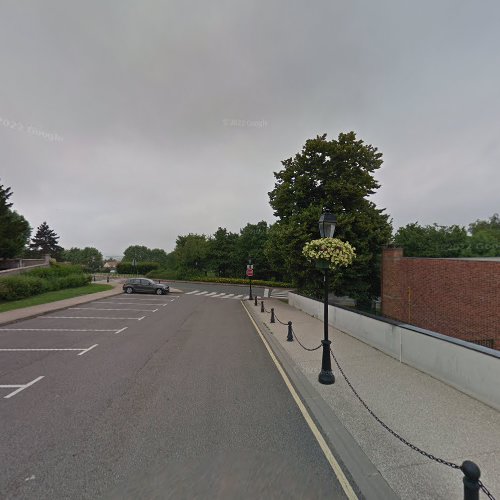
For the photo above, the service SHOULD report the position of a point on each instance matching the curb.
(365, 477)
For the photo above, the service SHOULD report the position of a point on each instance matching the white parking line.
(121, 330)
(19, 387)
(86, 317)
(191, 293)
(52, 330)
(83, 350)
(133, 303)
(101, 309)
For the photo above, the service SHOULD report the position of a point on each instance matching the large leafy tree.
(221, 250)
(191, 252)
(337, 174)
(250, 246)
(14, 228)
(45, 242)
(89, 257)
(485, 237)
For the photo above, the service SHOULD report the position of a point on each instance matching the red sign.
(249, 272)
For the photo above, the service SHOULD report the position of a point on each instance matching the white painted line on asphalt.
(39, 349)
(121, 330)
(237, 296)
(154, 310)
(219, 295)
(211, 293)
(19, 387)
(266, 293)
(86, 317)
(346, 486)
(228, 296)
(202, 293)
(87, 350)
(52, 330)
(190, 293)
(134, 303)
(100, 309)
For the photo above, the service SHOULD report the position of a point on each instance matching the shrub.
(140, 268)
(56, 277)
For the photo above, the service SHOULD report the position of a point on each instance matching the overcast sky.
(131, 122)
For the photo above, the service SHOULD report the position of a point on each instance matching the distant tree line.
(482, 239)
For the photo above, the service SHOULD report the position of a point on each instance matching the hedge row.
(231, 281)
(40, 281)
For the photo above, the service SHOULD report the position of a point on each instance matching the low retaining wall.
(472, 369)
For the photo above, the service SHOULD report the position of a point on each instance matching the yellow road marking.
(346, 486)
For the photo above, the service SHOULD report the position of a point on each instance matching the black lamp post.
(327, 223)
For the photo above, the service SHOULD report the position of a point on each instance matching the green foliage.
(89, 257)
(250, 247)
(338, 175)
(42, 280)
(45, 242)
(139, 268)
(222, 252)
(192, 253)
(14, 228)
(142, 253)
(450, 241)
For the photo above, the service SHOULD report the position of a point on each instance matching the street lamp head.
(327, 223)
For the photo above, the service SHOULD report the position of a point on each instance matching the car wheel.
(159, 291)
(129, 289)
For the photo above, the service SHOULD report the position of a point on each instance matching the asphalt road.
(169, 396)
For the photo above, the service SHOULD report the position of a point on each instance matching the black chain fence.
(381, 422)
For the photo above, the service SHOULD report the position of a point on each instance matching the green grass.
(45, 298)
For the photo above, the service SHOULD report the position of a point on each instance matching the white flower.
(336, 252)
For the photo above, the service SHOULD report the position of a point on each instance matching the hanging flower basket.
(329, 253)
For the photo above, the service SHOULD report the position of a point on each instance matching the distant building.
(110, 264)
(455, 297)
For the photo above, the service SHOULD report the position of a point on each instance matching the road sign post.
(250, 274)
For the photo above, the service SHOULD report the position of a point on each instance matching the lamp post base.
(326, 377)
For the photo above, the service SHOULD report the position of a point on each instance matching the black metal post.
(290, 333)
(262, 306)
(250, 296)
(255, 303)
(272, 315)
(107, 279)
(471, 480)
(326, 375)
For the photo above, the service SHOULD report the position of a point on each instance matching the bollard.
(290, 333)
(107, 279)
(256, 300)
(471, 480)
(272, 315)
(262, 306)
(94, 277)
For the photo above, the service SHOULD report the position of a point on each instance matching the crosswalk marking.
(194, 291)
(217, 295)
(266, 293)
(202, 293)
(211, 293)
(228, 296)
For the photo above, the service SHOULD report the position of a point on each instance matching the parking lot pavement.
(30, 345)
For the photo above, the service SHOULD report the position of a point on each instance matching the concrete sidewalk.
(428, 413)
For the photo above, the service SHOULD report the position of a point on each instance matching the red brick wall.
(459, 298)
